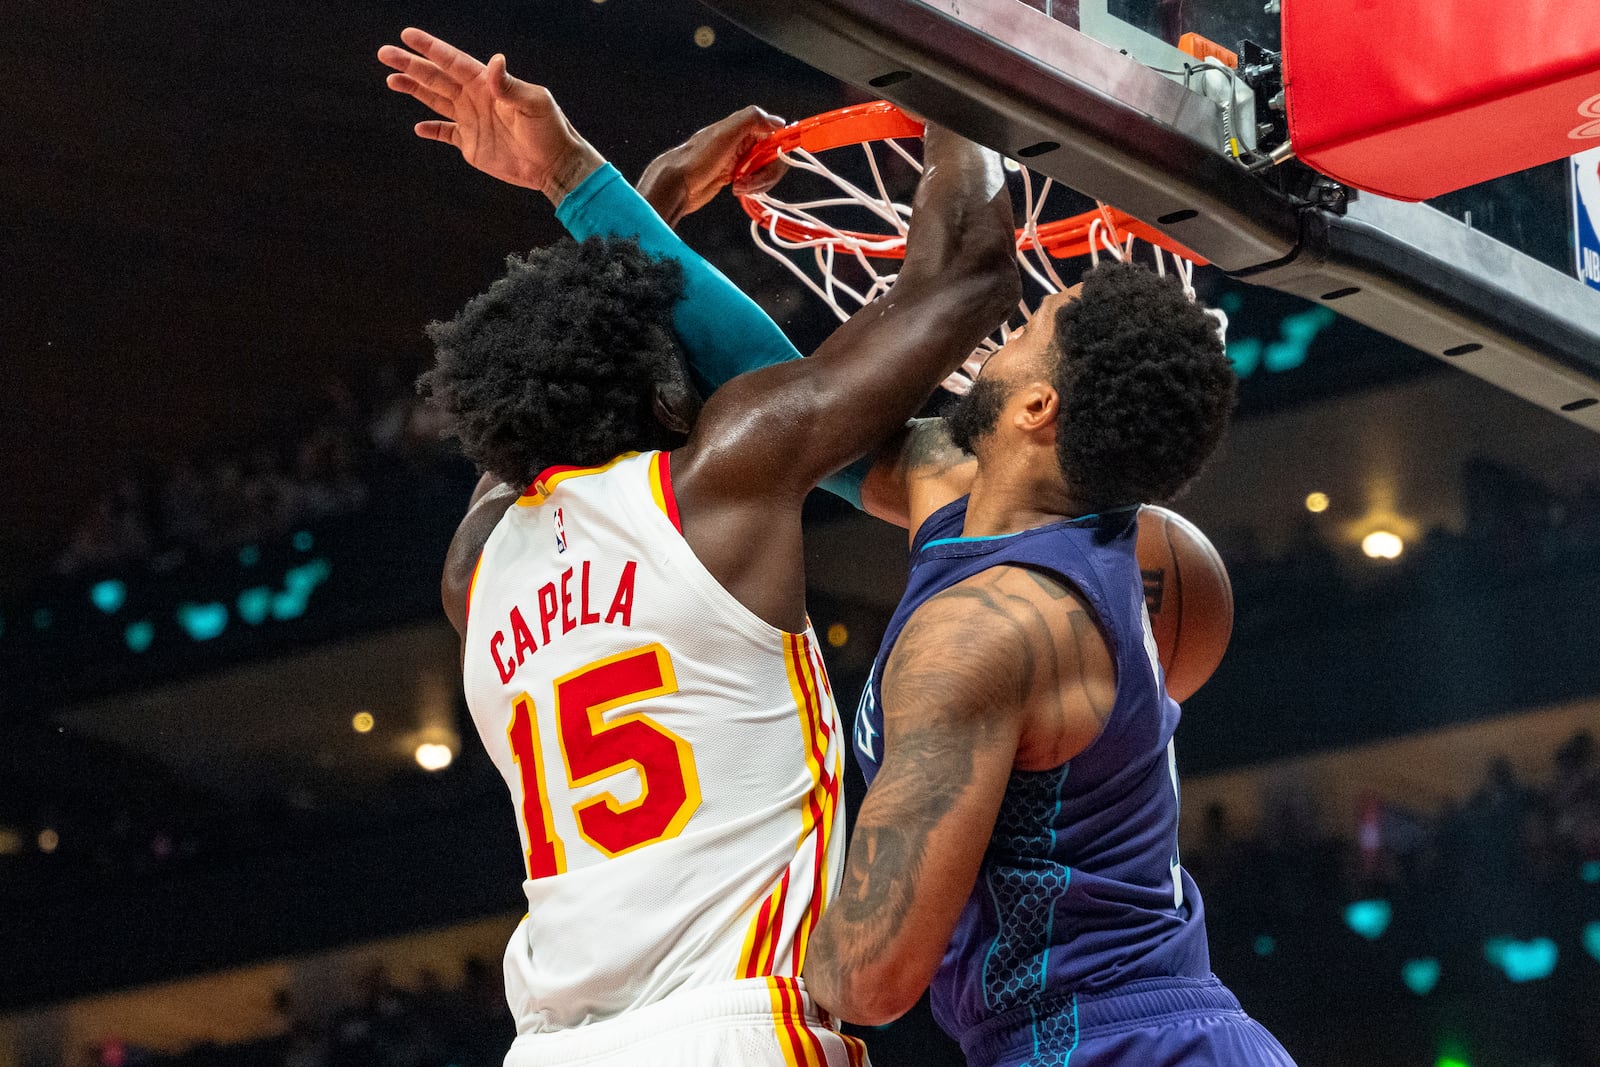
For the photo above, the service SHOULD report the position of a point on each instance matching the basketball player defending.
(1019, 844)
(635, 648)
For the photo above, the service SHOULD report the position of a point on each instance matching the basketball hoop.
(780, 227)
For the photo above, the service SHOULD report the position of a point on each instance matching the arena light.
(108, 595)
(838, 635)
(10, 841)
(432, 756)
(202, 622)
(1317, 503)
(1591, 940)
(1522, 961)
(49, 840)
(362, 723)
(1420, 976)
(138, 635)
(1265, 945)
(705, 36)
(1369, 918)
(1381, 544)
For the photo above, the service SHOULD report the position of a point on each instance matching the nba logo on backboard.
(561, 531)
(1586, 215)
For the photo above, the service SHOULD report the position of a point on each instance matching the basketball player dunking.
(635, 648)
(1019, 843)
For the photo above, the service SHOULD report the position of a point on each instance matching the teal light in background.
(303, 541)
(1245, 355)
(1369, 918)
(254, 603)
(1590, 872)
(1420, 976)
(109, 595)
(139, 634)
(1266, 945)
(1522, 961)
(1295, 333)
(42, 618)
(298, 584)
(249, 556)
(1591, 940)
(202, 622)
(1452, 1061)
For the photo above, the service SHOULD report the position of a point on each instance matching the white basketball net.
(835, 245)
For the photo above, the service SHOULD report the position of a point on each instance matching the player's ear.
(676, 405)
(1040, 407)
(676, 402)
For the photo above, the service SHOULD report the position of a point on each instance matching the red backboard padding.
(1414, 98)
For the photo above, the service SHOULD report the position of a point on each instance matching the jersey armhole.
(472, 585)
(661, 489)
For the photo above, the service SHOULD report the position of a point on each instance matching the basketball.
(1190, 599)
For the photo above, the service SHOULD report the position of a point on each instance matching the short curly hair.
(558, 361)
(1146, 388)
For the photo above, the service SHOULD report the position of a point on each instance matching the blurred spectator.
(221, 499)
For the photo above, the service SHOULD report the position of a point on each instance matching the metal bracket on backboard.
(1068, 106)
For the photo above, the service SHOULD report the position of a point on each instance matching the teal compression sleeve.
(724, 333)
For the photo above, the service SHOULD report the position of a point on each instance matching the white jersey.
(675, 761)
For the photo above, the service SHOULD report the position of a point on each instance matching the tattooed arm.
(1004, 669)
(917, 472)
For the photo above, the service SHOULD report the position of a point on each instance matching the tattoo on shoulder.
(1056, 590)
(929, 451)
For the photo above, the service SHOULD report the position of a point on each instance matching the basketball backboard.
(1097, 94)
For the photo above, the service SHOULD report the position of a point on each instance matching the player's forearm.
(724, 332)
(663, 187)
(883, 364)
(962, 222)
(863, 964)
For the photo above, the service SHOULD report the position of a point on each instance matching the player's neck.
(1016, 494)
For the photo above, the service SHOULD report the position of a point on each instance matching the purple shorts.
(1160, 1022)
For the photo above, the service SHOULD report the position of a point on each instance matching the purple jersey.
(1080, 891)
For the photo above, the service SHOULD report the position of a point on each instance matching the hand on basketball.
(685, 179)
(504, 126)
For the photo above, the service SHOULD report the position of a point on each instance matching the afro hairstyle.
(1146, 388)
(558, 361)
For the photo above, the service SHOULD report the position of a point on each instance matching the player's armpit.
(915, 474)
(490, 500)
(955, 690)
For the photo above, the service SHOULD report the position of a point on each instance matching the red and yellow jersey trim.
(801, 1045)
(550, 477)
(660, 484)
(759, 957)
(661, 488)
(472, 585)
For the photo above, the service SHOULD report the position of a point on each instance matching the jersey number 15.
(593, 748)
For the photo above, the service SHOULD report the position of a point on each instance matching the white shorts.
(755, 1022)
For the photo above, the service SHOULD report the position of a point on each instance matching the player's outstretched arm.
(816, 415)
(954, 694)
(506, 127)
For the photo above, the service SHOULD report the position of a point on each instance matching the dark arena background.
(244, 816)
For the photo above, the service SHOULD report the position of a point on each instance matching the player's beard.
(976, 414)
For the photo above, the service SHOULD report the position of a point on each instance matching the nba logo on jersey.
(561, 531)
